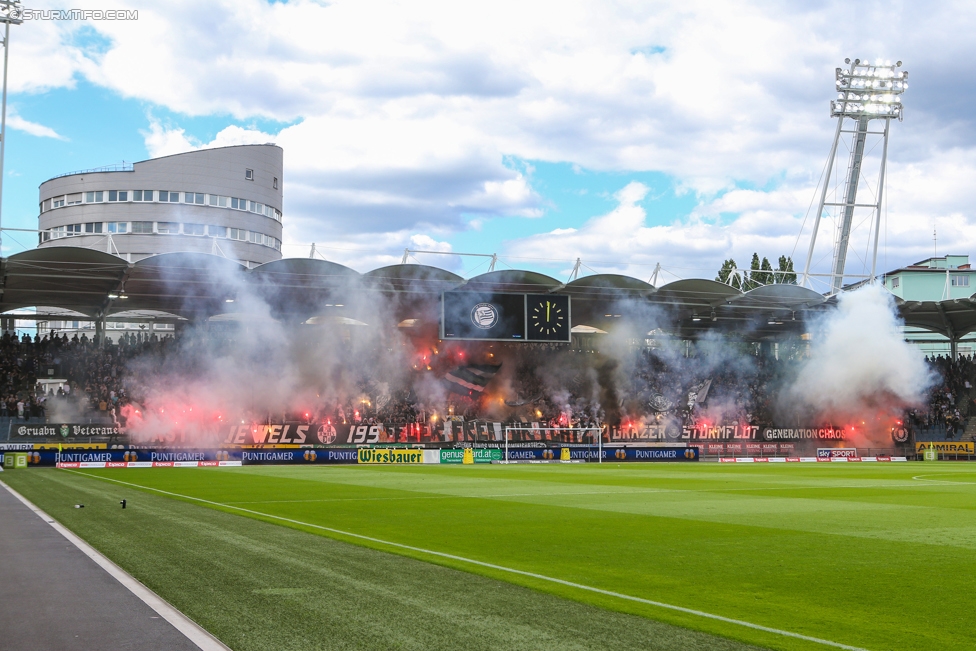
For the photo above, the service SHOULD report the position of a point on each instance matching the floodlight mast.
(865, 92)
(11, 13)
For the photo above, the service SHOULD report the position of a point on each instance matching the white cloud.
(405, 114)
(14, 121)
(621, 241)
(366, 252)
(163, 141)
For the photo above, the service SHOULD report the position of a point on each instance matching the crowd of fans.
(950, 400)
(74, 380)
(561, 387)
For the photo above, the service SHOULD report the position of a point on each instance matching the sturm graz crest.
(899, 434)
(64, 431)
(484, 315)
(326, 434)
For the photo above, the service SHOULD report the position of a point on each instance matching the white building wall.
(215, 176)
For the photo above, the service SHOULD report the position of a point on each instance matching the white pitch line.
(636, 491)
(943, 481)
(501, 568)
(193, 631)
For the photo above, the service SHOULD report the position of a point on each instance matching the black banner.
(672, 431)
(60, 431)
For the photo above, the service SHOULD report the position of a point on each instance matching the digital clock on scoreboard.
(547, 317)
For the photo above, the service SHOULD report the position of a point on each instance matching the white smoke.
(859, 362)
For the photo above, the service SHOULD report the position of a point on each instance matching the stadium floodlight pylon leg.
(866, 92)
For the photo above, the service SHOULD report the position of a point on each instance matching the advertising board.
(836, 453)
(481, 455)
(389, 455)
(630, 453)
(946, 447)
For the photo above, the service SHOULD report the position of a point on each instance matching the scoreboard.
(505, 317)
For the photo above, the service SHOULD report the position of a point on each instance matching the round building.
(224, 201)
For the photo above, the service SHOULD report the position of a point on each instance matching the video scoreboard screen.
(505, 317)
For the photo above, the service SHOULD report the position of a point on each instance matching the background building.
(935, 279)
(224, 201)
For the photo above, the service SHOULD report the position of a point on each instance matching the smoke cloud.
(860, 366)
(362, 351)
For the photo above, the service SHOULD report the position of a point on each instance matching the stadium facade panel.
(225, 201)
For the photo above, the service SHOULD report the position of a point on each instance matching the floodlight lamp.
(695, 317)
(870, 91)
(113, 296)
(11, 12)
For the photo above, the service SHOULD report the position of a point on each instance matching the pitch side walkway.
(53, 596)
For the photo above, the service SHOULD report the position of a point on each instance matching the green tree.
(727, 270)
(785, 274)
(755, 273)
(765, 275)
(760, 273)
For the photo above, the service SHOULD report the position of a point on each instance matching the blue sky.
(98, 128)
(679, 133)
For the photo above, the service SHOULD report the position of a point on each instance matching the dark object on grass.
(79, 506)
(122, 503)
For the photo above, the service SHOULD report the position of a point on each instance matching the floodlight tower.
(11, 13)
(865, 92)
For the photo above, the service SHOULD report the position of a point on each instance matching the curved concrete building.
(224, 201)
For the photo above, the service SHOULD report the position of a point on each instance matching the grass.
(865, 555)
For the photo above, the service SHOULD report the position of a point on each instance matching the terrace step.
(970, 433)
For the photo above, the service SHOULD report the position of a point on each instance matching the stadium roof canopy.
(953, 318)
(198, 286)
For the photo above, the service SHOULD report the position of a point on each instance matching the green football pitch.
(613, 556)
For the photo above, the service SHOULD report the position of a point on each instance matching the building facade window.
(249, 175)
(275, 184)
(163, 196)
(960, 280)
(168, 228)
(895, 282)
